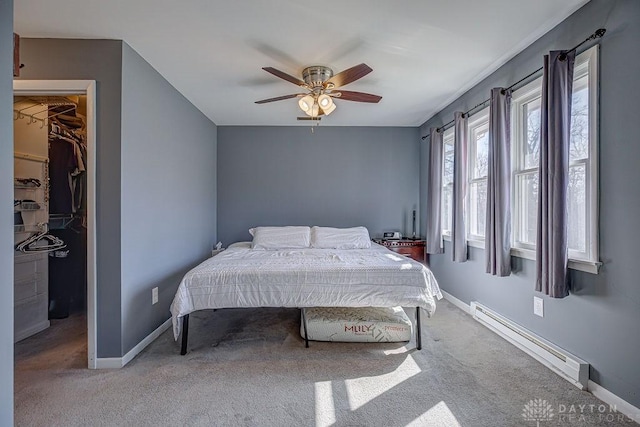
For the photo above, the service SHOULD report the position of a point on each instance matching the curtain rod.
(599, 33)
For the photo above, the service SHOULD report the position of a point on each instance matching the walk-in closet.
(50, 220)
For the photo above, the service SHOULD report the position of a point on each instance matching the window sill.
(574, 264)
(476, 243)
(473, 243)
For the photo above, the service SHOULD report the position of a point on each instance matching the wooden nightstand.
(412, 248)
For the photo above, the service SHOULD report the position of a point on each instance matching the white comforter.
(242, 277)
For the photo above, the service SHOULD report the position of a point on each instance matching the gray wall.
(156, 182)
(599, 320)
(336, 176)
(6, 214)
(168, 193)
(100, 60)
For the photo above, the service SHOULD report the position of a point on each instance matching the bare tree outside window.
(447, 182)
(529, 181)
(479, 166)
(578, 156)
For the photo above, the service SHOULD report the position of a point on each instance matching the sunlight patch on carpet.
(325, 409)
(398, 350)
(438, 415)
(360, 391)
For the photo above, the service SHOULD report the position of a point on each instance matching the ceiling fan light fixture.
(325, 101)
(322, 86)
(306, 103)
(328, 110)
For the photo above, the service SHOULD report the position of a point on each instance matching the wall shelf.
(28, 228)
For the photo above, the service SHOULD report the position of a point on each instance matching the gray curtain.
(555, 132)
(498, 220)
(434, 193)
(458, 228)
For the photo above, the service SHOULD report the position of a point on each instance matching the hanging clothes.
(62, 162)
(80, 182)
(67, 160)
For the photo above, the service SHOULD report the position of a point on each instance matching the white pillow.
(291, 237)
(340, 238)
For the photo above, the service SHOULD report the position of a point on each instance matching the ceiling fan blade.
(279, 98)
(348, 95)
(350, 75)
(285, 76)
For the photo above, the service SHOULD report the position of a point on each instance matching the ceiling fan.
(322, 87)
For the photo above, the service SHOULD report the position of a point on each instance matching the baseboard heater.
(565, 364)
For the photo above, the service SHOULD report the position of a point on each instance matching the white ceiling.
(424, 53)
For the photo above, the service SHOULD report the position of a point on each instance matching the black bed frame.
(185, 331)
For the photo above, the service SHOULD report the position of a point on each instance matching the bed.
(325, 268)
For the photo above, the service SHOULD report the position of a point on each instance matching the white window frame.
(476, 121)
(447, 139)
(586, 63)
(525, 95)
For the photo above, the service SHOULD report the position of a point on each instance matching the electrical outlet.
(154, 295)
(538, 306)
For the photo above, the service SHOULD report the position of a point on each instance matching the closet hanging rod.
(596, 35)
(57, 114)
(62, 112)
(31, 157)
(32, 119)
(30, 106)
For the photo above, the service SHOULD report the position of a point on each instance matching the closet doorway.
(35, 200)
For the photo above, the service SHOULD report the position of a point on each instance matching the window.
(526, 150)
(447, 182)
(583, 167)
(478, 168)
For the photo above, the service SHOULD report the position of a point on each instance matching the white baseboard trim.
(119, 362)
(145, 342)
(611, 399)
(455, 301)
(108, 362)
(38, 327)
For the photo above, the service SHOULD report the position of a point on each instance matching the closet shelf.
(32, 278)
(21, 257)
(28, 228)
(27, 209)
(27, 187)
(28, 300)
(23, 205)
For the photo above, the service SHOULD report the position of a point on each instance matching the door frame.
(88, 88)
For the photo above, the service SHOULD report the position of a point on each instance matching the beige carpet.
(250, 368)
